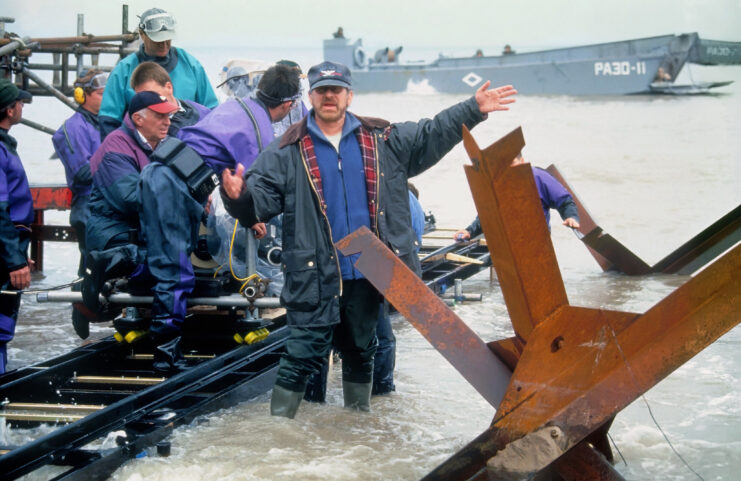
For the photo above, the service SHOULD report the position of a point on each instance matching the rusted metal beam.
(704, 247)
(429, 314)
(586, 222)
(580, 366)
(610, 254)
(528, 260)
(574, 367)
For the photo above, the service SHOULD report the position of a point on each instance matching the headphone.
(93, 83)
(79, 95)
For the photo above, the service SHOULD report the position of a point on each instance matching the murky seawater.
(653, 171)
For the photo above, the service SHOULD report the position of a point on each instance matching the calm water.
(653, 172)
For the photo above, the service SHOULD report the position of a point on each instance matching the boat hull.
(615, 68)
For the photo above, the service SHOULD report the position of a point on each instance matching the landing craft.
(640, 66)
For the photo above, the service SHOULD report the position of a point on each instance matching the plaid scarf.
(367, 143)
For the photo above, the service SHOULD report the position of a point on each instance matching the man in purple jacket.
(75, 142)
(16, 215)
(552, 196)
(239, 129)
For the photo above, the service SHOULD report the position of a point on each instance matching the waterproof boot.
(316, 389)
(168, 359)
(357, 395)
(285, 403)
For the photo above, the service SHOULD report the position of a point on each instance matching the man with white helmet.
(189, 80)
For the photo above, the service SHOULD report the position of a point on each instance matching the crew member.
(16, 215)
(239, 129)
(552, 196)
(298, 110)
(75, 142)
(189, 80)
(112, 229)
(330, 174)
(151, 76)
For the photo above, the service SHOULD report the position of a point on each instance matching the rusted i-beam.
(574, 368)
(610, 254)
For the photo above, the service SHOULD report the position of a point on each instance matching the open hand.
(494, 99)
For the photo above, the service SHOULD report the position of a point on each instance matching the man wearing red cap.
(132, 194)
(116, 167)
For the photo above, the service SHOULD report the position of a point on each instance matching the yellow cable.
(231, 248)
(247, 279)
(217, 270)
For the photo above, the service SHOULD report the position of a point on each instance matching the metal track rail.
(122, 393)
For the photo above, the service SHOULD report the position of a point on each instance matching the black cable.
(650, 412)
(39, 291)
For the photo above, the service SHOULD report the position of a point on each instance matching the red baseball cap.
(152, 101)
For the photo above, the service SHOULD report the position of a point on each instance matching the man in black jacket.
(330, 174)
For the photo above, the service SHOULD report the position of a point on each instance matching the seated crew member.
(151, 76)
(552, 196)
(238, 83)
(330, 174)
(189, 80)
(16, 216)
(75, 142)
(114, 206)
(134, 193)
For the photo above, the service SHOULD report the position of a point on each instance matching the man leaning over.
(330, 174)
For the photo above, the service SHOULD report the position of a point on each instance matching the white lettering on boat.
(624, 67)
(720, 51)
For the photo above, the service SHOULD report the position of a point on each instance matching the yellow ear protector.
(79, 95)
(98, 81)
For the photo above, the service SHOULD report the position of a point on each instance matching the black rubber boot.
(316, 389)
(168, 359)
(357, 395)
(285, 403)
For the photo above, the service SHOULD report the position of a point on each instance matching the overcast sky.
(412, 23)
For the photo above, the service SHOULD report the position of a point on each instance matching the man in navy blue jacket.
(16, 215)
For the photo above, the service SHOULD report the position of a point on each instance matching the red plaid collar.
(367, 143)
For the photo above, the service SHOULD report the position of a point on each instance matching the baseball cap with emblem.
(9, 94)
(152, 101)
(157, 24)
(329, 74)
